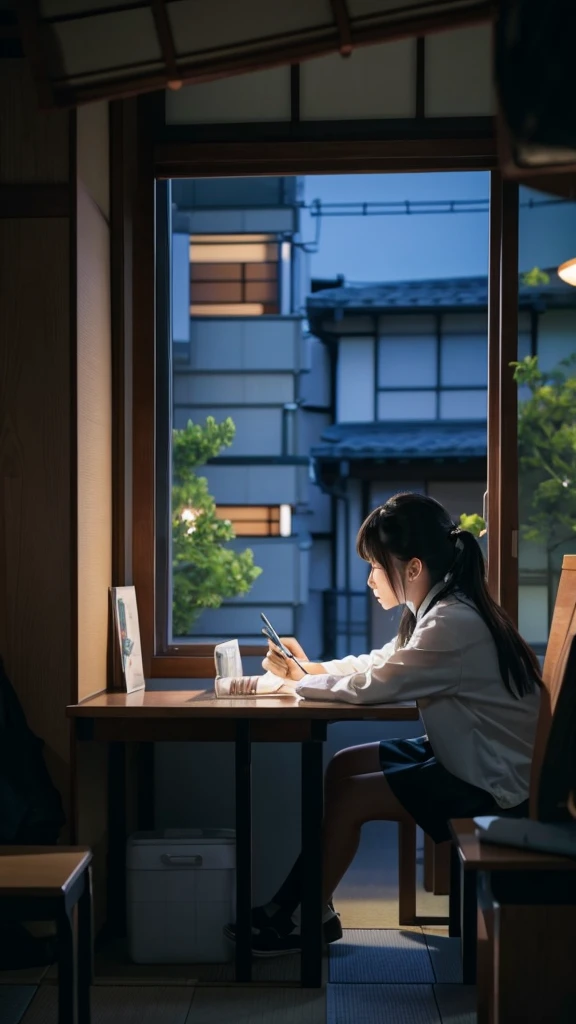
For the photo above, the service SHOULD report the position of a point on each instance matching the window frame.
(243, 281)
(161, 158)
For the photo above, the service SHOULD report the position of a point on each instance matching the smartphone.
(273, 636)
(271, 633)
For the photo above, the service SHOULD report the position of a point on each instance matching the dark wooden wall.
(56, 427)
(37, 403)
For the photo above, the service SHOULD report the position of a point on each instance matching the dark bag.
(534, 58)
(30, 805)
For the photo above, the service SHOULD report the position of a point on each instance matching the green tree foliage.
(205, 572)
(535, 277)
(474, 524)
(547, 451)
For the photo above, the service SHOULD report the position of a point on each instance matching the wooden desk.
(46, 883)
(525, 905)
(184, 716)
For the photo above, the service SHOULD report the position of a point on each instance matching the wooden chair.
(526, 930)
(436, 874)
(556, 675)
(53, 883)
(526, 916)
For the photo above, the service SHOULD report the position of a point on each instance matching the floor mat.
(113, 967)
(380, 957)
(14, 1001)
(446, 957)
(257, 1006)
(374, 1004)
(457, 1003)
(119, 1006)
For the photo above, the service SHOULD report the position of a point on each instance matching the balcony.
(242, 344)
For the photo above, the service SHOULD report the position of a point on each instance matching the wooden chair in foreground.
(527, 901)
(526, 931)
(555, 674)
(53, 883)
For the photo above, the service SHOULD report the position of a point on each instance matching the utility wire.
(399, 208)
(412, 206)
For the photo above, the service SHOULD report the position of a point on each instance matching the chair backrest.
(556, 663)
(558, 769)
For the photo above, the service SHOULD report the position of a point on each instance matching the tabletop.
(162, 704)
(40, 870)
(477, 856)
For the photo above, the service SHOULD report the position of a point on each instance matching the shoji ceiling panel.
(459, 73)
(375, 82)
(82, 50)
(261, 96)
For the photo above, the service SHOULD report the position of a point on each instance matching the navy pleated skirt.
(430, 793)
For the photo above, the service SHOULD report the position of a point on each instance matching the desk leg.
(117, 831)
(312, 813)
(85, 949)
(145, 810)
(454, 922)
(67, 977)
(468, 925)
(243, 851)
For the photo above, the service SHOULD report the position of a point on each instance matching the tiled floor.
(375, 974)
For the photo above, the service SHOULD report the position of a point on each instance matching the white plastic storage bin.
(181, 892)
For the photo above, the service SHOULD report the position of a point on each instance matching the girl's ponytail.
(515, 658)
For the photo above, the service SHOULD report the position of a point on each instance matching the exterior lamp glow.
(285, 521)
(567, 271)
(190, 515)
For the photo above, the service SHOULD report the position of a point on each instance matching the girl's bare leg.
(356, 791)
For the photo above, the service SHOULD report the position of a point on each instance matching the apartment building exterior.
(239, 279)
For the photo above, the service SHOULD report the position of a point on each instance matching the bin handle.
(173, 861)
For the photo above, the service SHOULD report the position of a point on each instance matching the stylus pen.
(285, 651)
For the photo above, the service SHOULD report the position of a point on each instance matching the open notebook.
(230, 680)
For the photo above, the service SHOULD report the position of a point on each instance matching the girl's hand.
(292, 644)
(282, 666)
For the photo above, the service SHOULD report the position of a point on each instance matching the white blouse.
(476, 728)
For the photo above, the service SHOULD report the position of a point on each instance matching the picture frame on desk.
(128, 671)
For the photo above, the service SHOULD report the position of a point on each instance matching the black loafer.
(280, 937)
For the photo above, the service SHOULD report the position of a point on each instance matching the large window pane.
(547, 407)
(285, 415)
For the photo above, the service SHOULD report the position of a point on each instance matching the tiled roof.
(437, 439)
(441, 293)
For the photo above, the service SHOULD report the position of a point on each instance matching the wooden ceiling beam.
(211, 69)
(166, 41)
(342, 19)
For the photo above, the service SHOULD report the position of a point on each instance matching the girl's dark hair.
(415, 526)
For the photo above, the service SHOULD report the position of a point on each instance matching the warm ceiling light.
(567, 271)
(175, 85)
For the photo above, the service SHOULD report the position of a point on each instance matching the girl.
(476, 682)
